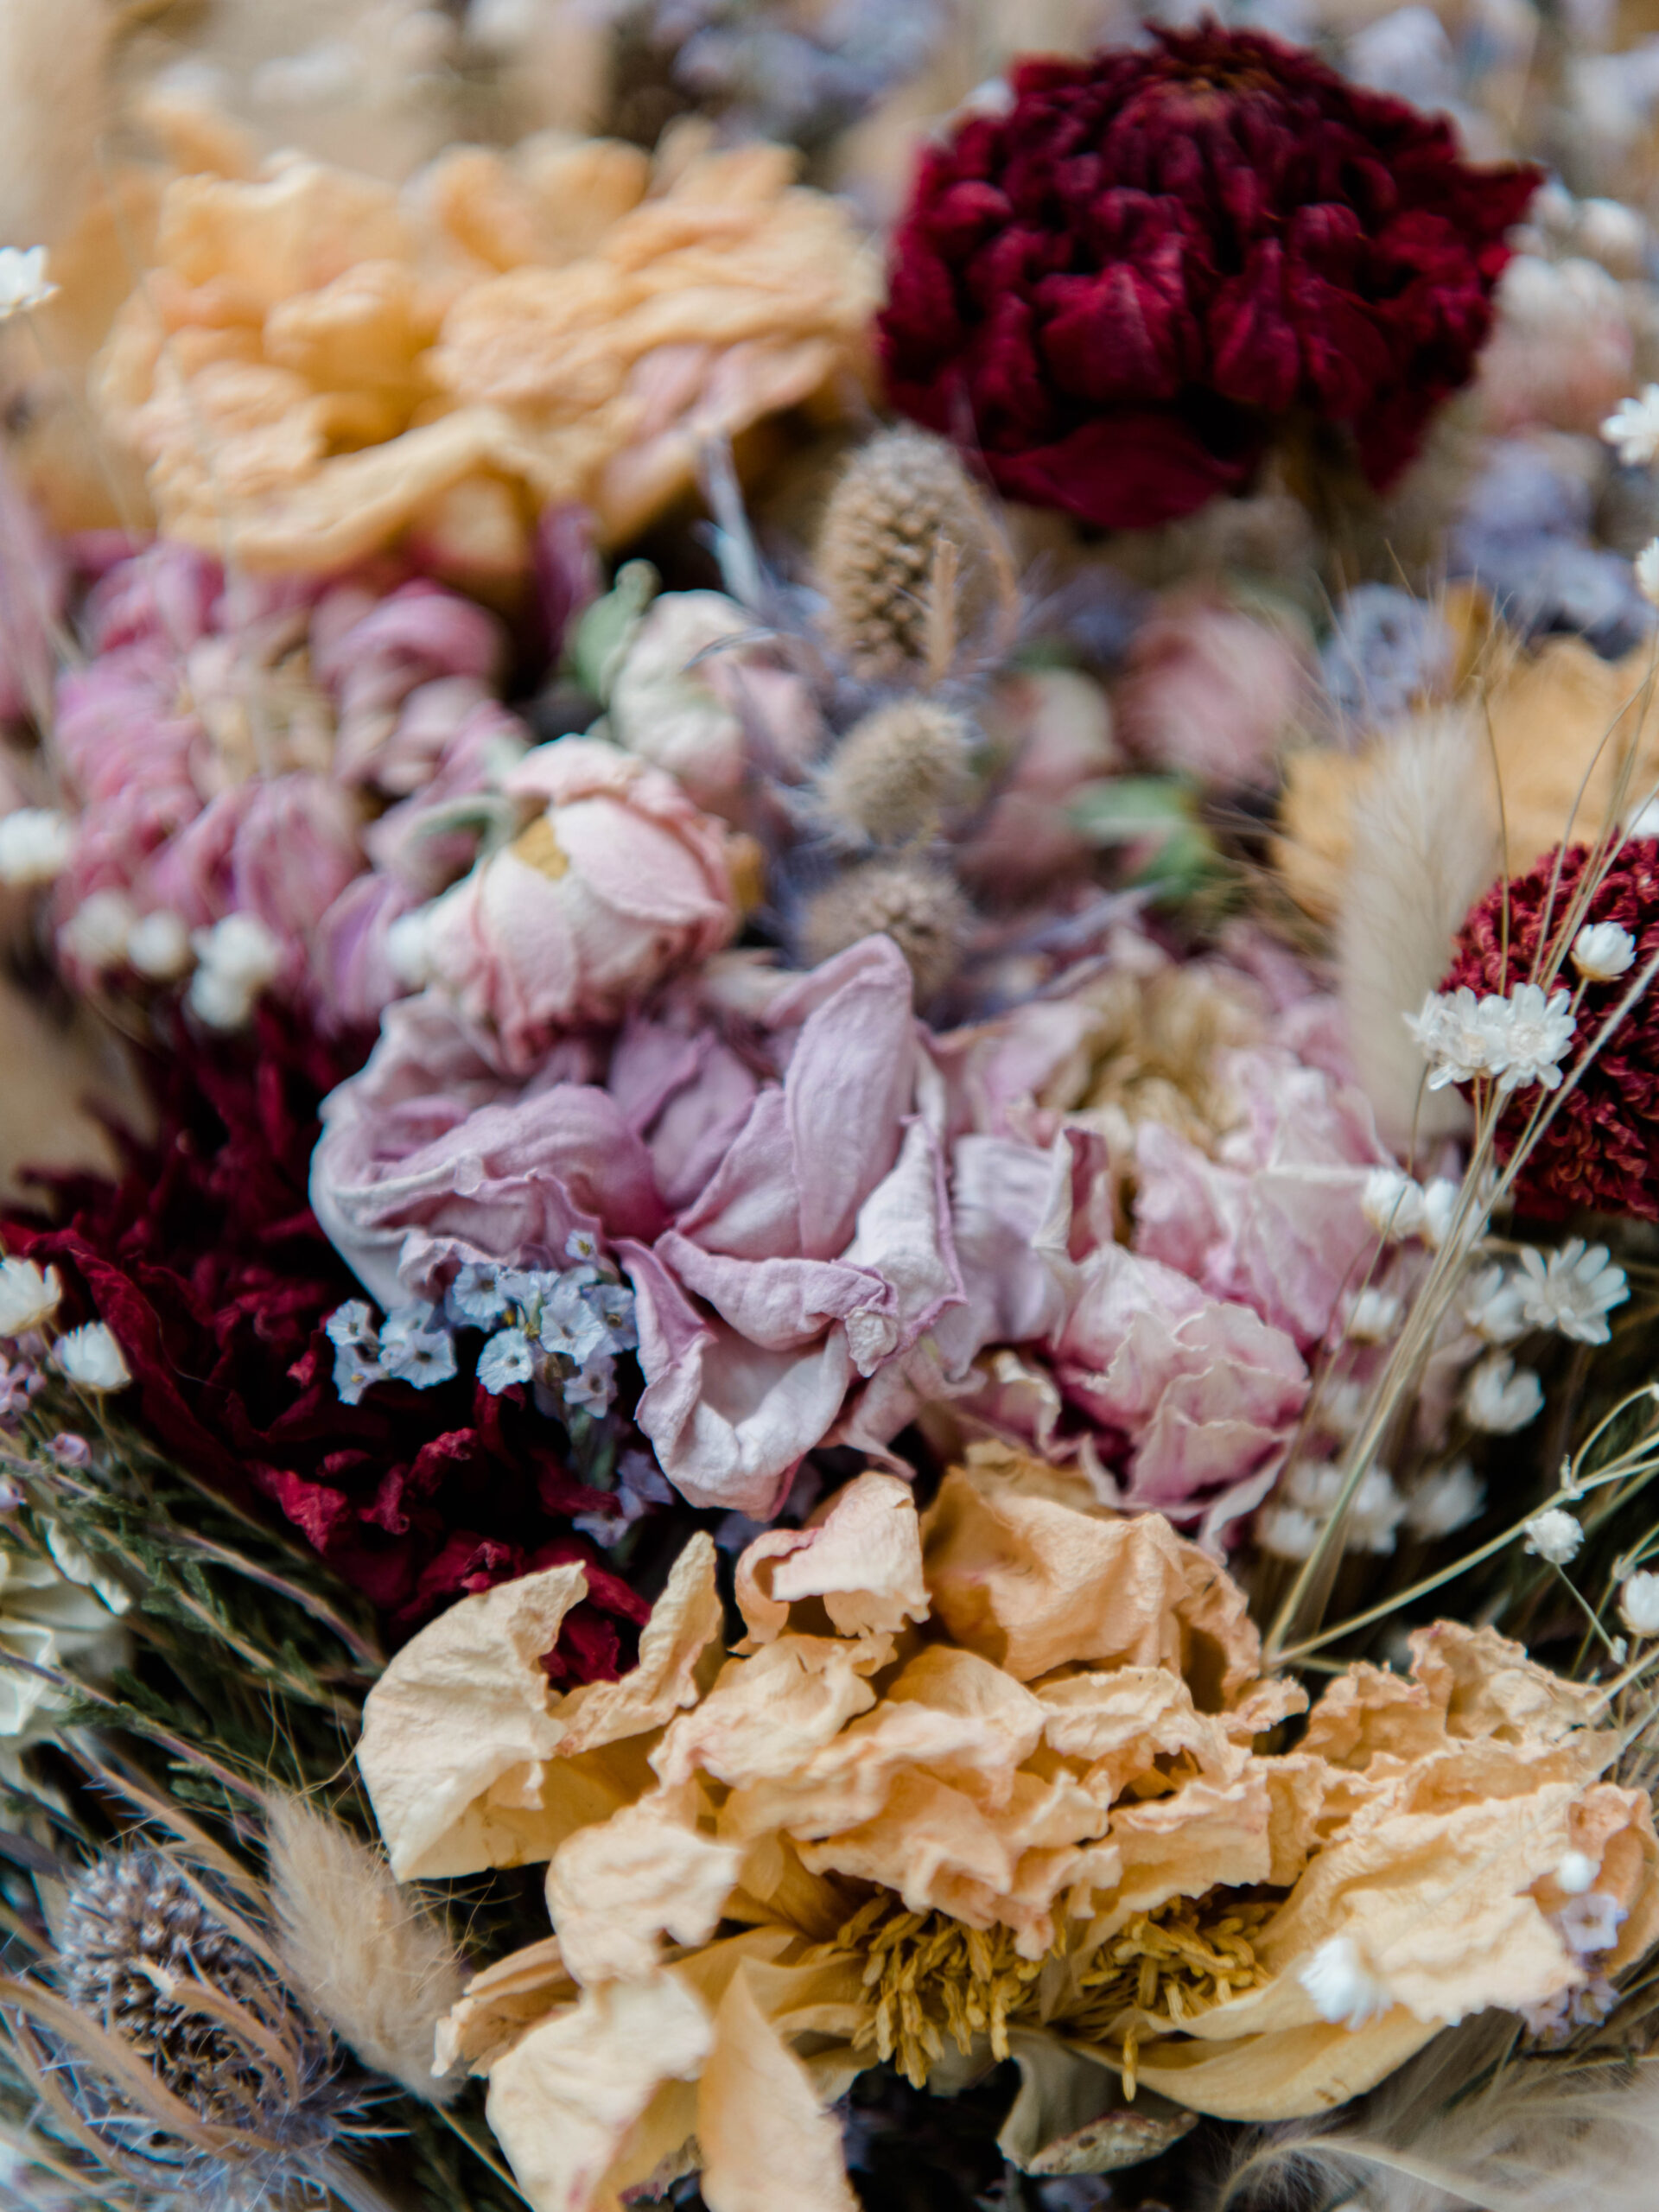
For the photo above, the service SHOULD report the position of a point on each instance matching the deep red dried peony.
(1601, 1148)
(1116, 289)
(205, 1261)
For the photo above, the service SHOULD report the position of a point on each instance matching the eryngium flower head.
(151, 1958)
(1600, 1149)
(1120, 285)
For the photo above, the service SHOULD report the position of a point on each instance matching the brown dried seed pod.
(907, 558)
(914, 901)
(896, 775)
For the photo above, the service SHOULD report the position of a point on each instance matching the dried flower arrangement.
(841, 1396)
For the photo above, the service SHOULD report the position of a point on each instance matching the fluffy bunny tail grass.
(374, 1963)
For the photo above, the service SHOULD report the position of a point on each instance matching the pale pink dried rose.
(1211, 690)
(618, 879)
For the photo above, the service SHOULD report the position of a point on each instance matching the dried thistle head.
(369, 1958)
(910, 560)
(896, 775)
(174, 2051)
(913, 901)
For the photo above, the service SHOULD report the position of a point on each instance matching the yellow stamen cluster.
(933, 1977)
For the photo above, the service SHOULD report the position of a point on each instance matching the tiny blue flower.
(569, 1325)
(505, 1360)
(353, 1373)
(351, 1324)
(422, 1356)
(582, 1244)
(479, 1294)
(594, 1387)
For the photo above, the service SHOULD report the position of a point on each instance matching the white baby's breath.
(1491, 1306)
(1573, 1292)
(1576, 1873)
(1555, 1536)
(96, 933)
(35, 842)
(239, 957)
(1446, 1502)
(1372, 1316)
(1638, 1604)
(1603, 951)
(1392, 1202)
(1343, 1987)
(158, 946)
(1632, 429)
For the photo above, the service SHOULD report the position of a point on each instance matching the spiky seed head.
(902, 496)
(914, 901)
(896, 775)
(138, 1939)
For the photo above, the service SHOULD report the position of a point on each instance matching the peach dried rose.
(562, 324)
(980, 1784)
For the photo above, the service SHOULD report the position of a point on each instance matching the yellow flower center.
(538, 848)
(931, 1976)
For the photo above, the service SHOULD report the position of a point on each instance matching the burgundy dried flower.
(205, 1261)
(1115, 289)
(1601, 1148)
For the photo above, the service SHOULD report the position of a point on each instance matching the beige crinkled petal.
(1368, 1712)
(685, 1622)
(767, 2142)
(1487, 1686)
(464, 1704)
(1120, 1723)
(500, 2003)
(1204, 1836)
(1034, 1585)
(767, 1715)
(613, 1891)
(1008, 1719)
(929, 1842)
(864, 1560)
(1282, 2074)
(565, 2099)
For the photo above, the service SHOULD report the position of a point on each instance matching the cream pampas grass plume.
(1426, 845)
(367, 1957)
(1534, 2135)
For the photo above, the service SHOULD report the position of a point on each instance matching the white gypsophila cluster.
(1602, 952)
(158, 946)
(1588, 1924)
(1572, 1291)
(35, 842)
(24, 282)
(1516, 1038)
(559, 1329)
(1291, 1526)
(1499, 1398)
(28, 1297)
(1448, 1501)
(1632, 429)
(92, 1358)
(1553, 1536)
(96, 933)
(1638, 1604)
(1344, 1988)
(237, 958)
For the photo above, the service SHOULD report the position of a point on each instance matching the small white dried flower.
(91, 1358)
(24, 284)
(1287, 1531)
(27, 1296)
(1343, 1988)
(1491, 1306)
(1500, 1398)
(1576, 1873)
(1602, 950)
(1638, 1604)
(1446, 1502)
(239, 956)
(1439, 1210)
(1372, 1316)
(1555, 1536)
(1646, 582)
(1632, 429)
(1591, 1921)
(1574, 1291)
(1393, 1203)
(96, 933)
(35, 842)
(1451, 1036)
(158, 946)
(1529, 1035)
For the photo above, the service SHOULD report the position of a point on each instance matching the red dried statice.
(206, 1261)
(1117, 289)
(1600, 1150)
